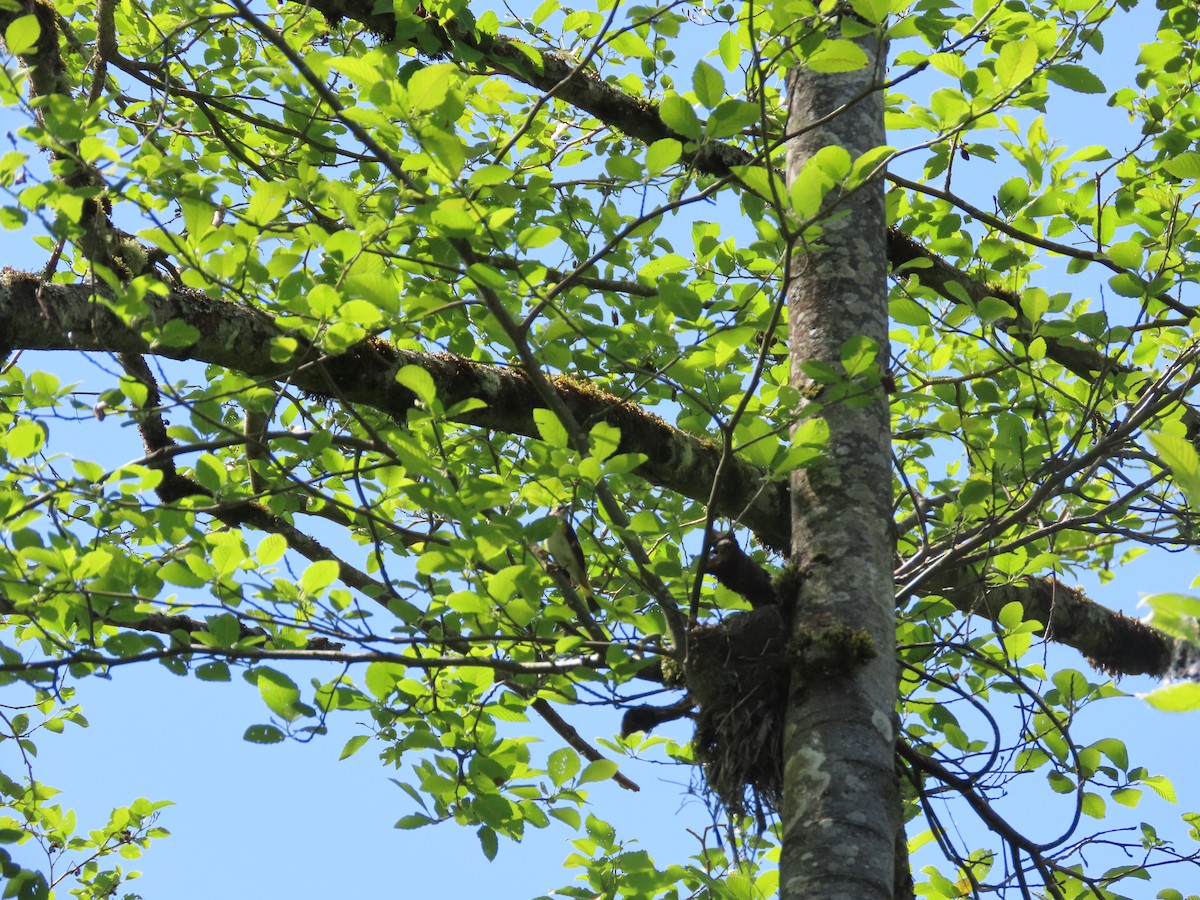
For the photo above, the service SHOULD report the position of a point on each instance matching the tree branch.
(240, 338)
(950, 283)
(558, 74)
(258, 654)
(1112, 642)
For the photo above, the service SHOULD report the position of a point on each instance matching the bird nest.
(738, 673)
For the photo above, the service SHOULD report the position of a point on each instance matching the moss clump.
(833, 651)
(672, 673)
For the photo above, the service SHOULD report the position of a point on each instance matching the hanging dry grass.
(738, 674)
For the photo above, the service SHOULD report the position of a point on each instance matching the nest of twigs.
(738, 674)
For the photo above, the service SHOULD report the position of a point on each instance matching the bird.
(646, 718)
(565, 552)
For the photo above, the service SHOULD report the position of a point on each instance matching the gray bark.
(841, 810)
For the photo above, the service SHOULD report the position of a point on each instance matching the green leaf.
(1011, 615)
(429, 87)
(1162, 786)
(225, 629)
(993, 309)
(1093, 805)
(1183, 165)
(1180, 456)
(361, 72)
(1015, 63)
(22, 33)
(730, 118)
(808, 442)
(906, 311)
(662, 154)
(1115, 750)
(24, 439)
(1181, 697)
(761, 181)
(566, 814)
(488, 842)
(708, 84)
(416, 820)
(271, 549)
(420, 382)
(1126, 254)
(1130, 797)
(1080, 79)
(870, 164)
(730, 49)
(266, 202)
(263, 734)
(213, 671)
(381, 678)
(126, 645)
(175, 333)
(1127, 285)
(1176, 614)
(490, 175)
(562, 766)
(678, 115)
(359, 312)
(604, 440)
(538, 236)
(550, 428)
(1060, 783)
(354, 745)
(837, 55)
(177, 573)
(1013, 194)
(859, 356)
(598, 770)
(319, 575)
(874, 11)
(279, 693)
(197, 216)
(662, 265)
(819, 175)
(1071, 683)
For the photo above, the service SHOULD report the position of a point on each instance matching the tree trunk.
(841, 812)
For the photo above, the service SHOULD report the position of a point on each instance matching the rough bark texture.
(1112, 642)
(935, 272)
(40, 316)
(841, 809)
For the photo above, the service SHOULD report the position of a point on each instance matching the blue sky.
(291, 819)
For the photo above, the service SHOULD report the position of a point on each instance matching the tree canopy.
(846, 361)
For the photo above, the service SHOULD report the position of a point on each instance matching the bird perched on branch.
(646, 718)
(565, 552)
(739, 572)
